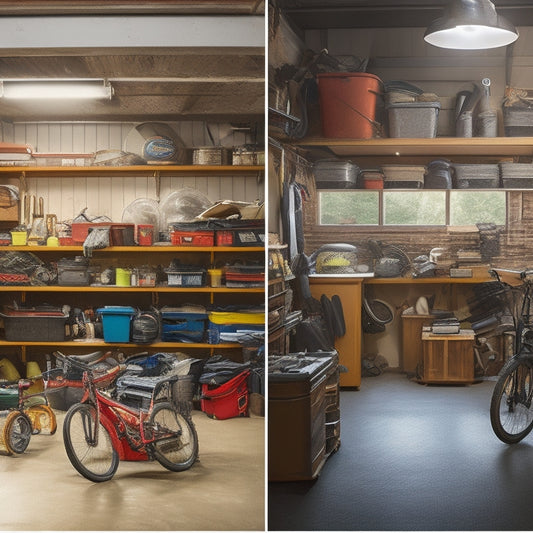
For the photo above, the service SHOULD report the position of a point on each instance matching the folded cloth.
(98, 237)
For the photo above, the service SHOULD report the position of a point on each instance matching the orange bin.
(348, 104)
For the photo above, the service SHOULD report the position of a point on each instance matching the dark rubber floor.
(413, 457)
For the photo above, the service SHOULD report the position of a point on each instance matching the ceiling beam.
(314, 14)
(134, 32)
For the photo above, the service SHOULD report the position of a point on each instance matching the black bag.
(310, 336)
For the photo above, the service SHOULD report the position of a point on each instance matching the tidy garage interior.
(357, 475)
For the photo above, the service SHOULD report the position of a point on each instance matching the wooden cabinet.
(411, 355)
(349, 346)
(448, 358)
(303, 419)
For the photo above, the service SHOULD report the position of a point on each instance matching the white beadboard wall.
(66, 196)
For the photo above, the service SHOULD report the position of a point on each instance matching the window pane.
(472, 207)
(424, 208)
(349, 207)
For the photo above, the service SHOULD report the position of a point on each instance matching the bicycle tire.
(42, 419)
(511, 407)
(95, 460)
(17, 432)
(179, 451)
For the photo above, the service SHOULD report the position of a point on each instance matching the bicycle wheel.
(88, 446)
(42, 419)
(511, 413)
(176, 445)
(17, 432)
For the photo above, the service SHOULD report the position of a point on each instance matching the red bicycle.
(98, 432)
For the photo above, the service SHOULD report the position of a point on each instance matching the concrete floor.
(225, 490)
(413, 457)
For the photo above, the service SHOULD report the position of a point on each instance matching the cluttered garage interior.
(120, 124)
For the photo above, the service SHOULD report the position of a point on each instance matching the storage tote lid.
(116, 310)
(413, 105)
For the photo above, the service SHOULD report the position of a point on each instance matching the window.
(412, 208)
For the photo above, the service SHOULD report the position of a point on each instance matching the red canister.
(145, 234)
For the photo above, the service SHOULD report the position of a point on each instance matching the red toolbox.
(192, 238)
(240, 233)
(228, 400)
(117, 232)
(192, 234)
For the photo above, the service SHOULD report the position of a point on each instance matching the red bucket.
(348, 104)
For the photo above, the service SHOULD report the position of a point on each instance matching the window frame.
(414, 227)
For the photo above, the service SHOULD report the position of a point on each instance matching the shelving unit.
(440, 146)
(133, 256)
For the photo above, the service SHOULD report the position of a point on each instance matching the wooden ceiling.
(320, 14)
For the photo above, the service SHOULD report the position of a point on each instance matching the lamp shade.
(470, 25)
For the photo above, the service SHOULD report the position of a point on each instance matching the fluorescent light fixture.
(470, 25)
(38, 89)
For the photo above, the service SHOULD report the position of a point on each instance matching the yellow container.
(34, 372)
(225, 317)
(19, 238)
(8, 370)
(123, 277)
(215, 277)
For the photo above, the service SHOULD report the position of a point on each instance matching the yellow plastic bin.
(19, 238)
(215, 277)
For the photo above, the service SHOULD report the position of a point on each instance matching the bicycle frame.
(125, 424)
(523, 320)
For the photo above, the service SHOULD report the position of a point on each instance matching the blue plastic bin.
(116, 320)
(183, 327)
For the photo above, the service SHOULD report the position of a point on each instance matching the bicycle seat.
(92, 357)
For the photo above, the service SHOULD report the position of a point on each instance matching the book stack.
(446, 326)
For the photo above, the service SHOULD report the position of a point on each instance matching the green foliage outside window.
(412, 208)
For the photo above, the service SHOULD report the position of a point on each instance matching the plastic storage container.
(73, 272)
(34, 325)
(518, 121)
(371, 179)
(403, 176)
(116, 320)
(332, 174)
(215, 277)
(19, 238)
(348, 104)
(516, 175)
(476, 176)
(183, 324)
(226, 326)
(413, 119)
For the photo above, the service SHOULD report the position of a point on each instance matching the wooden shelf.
(135, 249)
(426, 281)
(99, 343)
(37, 171)
(440, 146)
(116, 288)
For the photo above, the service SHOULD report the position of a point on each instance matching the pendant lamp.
(470, 25)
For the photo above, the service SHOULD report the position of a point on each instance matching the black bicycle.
(511, 412)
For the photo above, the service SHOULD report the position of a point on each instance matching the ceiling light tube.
(37, 89)
(470, 25)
